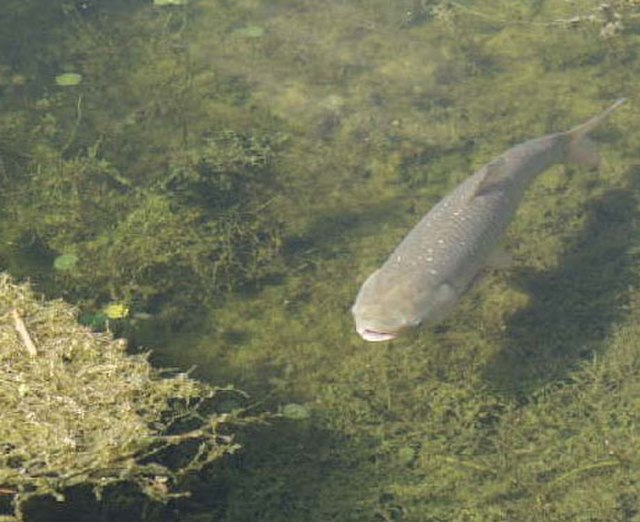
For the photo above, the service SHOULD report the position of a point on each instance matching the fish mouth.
(375, 336)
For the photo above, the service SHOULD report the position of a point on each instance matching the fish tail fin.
(581, 149)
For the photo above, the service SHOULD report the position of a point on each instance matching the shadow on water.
(286, 470)
(331, 231)
(573, 307)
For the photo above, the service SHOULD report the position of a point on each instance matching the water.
(236, 170)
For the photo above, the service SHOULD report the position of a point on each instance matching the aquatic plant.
(79, 412)
(521, 407)
(200, 228)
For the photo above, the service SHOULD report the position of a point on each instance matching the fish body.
(437, 262)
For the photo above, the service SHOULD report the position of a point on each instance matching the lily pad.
(116, 311)
(295, 411)
(68, 79)
(250, 31)
(96, 321)
(65, 262)
(406, 455)
(170, 2)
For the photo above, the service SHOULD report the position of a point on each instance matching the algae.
(306, 153)
(483, 418)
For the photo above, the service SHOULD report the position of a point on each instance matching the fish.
(437, 262)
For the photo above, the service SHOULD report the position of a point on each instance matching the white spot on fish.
(433, 272)
(429, 259)
(441, 241)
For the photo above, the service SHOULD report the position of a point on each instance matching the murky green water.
(236, 169)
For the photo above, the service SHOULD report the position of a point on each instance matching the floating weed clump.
(78, 411)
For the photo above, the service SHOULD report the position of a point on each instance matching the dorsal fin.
(495, 175)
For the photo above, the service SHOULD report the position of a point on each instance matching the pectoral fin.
(583, 152)
(500, 259)
(495, 176)
(444, 301)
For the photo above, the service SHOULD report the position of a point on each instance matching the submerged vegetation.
(187, 220)
(247, 164)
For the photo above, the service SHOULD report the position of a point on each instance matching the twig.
(23, 333)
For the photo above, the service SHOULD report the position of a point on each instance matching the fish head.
(374, 325)
(384, 308)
